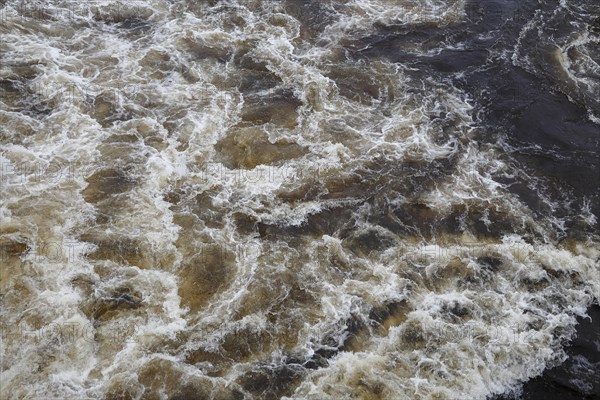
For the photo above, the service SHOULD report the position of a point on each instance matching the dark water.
(525, 104)
(578, 377)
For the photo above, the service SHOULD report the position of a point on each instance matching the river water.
(338, 199)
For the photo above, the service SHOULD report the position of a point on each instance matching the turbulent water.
(338, 199)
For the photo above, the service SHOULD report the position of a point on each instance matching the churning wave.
(247, 199)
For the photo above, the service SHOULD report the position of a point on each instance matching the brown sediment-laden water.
(338, 199)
